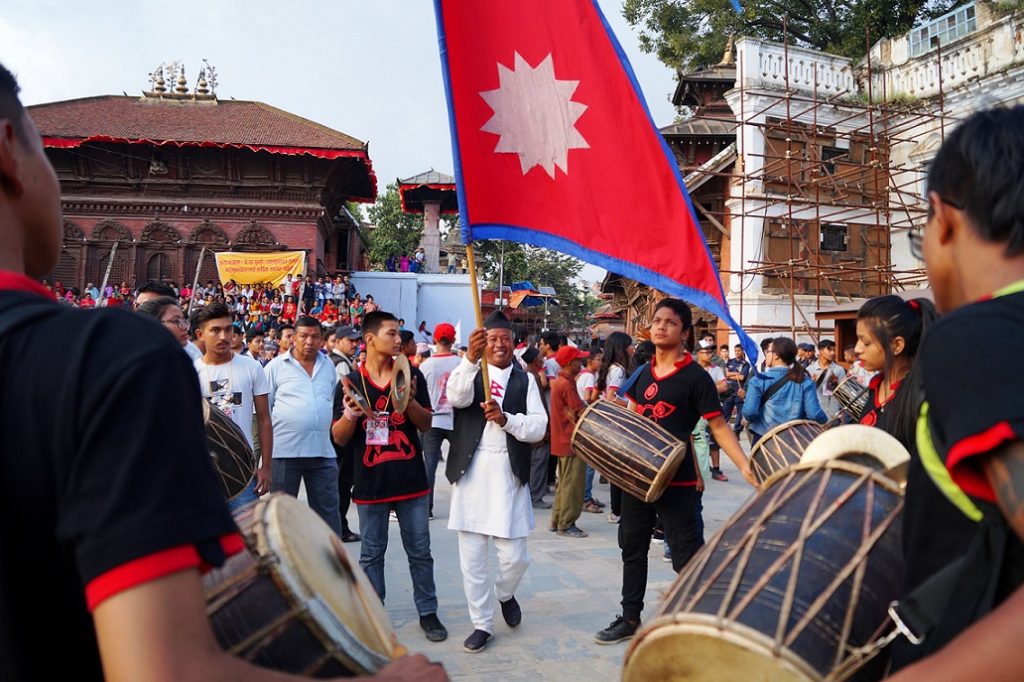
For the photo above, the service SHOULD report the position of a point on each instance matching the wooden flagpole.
(471, 260)
(195, 280)
(106, 276)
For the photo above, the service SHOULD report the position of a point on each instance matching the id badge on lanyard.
(377, 429)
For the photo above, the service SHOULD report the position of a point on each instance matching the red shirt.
(564, 408)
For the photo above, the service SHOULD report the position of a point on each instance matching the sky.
(369, 69)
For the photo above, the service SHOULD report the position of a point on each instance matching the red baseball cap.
(444, 331)
(567, 354)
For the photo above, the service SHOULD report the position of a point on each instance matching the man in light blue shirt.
(301, 402)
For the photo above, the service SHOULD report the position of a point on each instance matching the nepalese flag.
(554, 146)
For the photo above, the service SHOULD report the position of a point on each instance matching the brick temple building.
(164, 175)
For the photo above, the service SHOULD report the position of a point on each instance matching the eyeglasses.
(916, 234)
(179, 322)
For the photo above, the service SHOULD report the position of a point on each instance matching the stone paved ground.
(571, 590)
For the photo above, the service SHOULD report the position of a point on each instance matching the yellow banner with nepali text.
(260, 268)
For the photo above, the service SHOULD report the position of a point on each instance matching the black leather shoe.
(476, 642)
(436, 632)
(349, 536)
(511, 612)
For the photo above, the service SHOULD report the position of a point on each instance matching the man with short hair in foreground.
(115, 509)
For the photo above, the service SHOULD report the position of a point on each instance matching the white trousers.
(513, 561)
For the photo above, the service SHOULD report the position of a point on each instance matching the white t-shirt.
(436, 370)
(193, 351)
(230, 387)
(584, 382)
(716, 373)
(616, 375)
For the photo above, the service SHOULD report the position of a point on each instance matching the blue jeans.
(247, 496)
(588, 485)
(415, 528)
(432, 440)
(733, 402)
(320, 475)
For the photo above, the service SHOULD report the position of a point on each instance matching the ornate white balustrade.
(772, 66)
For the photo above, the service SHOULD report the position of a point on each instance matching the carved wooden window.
(66, 271)
(159, 268)
(118, 272)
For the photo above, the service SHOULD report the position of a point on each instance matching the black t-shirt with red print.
(395, 471)
(676, 401)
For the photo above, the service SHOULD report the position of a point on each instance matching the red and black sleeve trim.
(153, 567)
(962, 459)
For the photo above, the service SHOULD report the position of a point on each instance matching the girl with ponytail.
(889, 334)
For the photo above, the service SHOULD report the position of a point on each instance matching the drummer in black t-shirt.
(110, 506)
(971, 429)
(675, 392)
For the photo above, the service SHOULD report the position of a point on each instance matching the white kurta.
(489, 499)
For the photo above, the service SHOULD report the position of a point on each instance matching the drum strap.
(917, 614)
(914, 617)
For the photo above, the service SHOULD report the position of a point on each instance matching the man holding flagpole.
(489, 469)
(554, 147)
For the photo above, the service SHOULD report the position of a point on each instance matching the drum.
(795, 586)
(852, 396)
(864, 445)
(631, 451)
(230, 452)
(782, 447)
(294, 601)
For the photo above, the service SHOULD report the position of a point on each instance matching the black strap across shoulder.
(774, 388)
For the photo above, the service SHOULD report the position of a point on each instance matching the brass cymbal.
(401, 383)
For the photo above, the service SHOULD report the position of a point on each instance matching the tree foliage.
(394, 232)
(690, 34)
(541, 267)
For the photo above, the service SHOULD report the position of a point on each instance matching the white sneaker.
(613, 518)
(393, 517)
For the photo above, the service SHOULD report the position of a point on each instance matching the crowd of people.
(334, 301)
(114, 510)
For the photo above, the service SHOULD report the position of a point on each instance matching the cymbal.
(353, 392)
(401, 383)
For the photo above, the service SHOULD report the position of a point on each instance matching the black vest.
(469, 427)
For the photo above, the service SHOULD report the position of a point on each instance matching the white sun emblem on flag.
(534, 115)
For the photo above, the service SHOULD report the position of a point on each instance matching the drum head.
(401, 384)
(230, 452)
(340, 597)
(703, 652)
(861, 444)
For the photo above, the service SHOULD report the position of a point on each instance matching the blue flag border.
(469, 231)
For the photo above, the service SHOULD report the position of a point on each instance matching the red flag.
(554, 146)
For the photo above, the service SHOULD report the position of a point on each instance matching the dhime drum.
(230, 453)
(294, 601)
(631, 451)
(782, 447)
(795, 586)
(852, 396)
